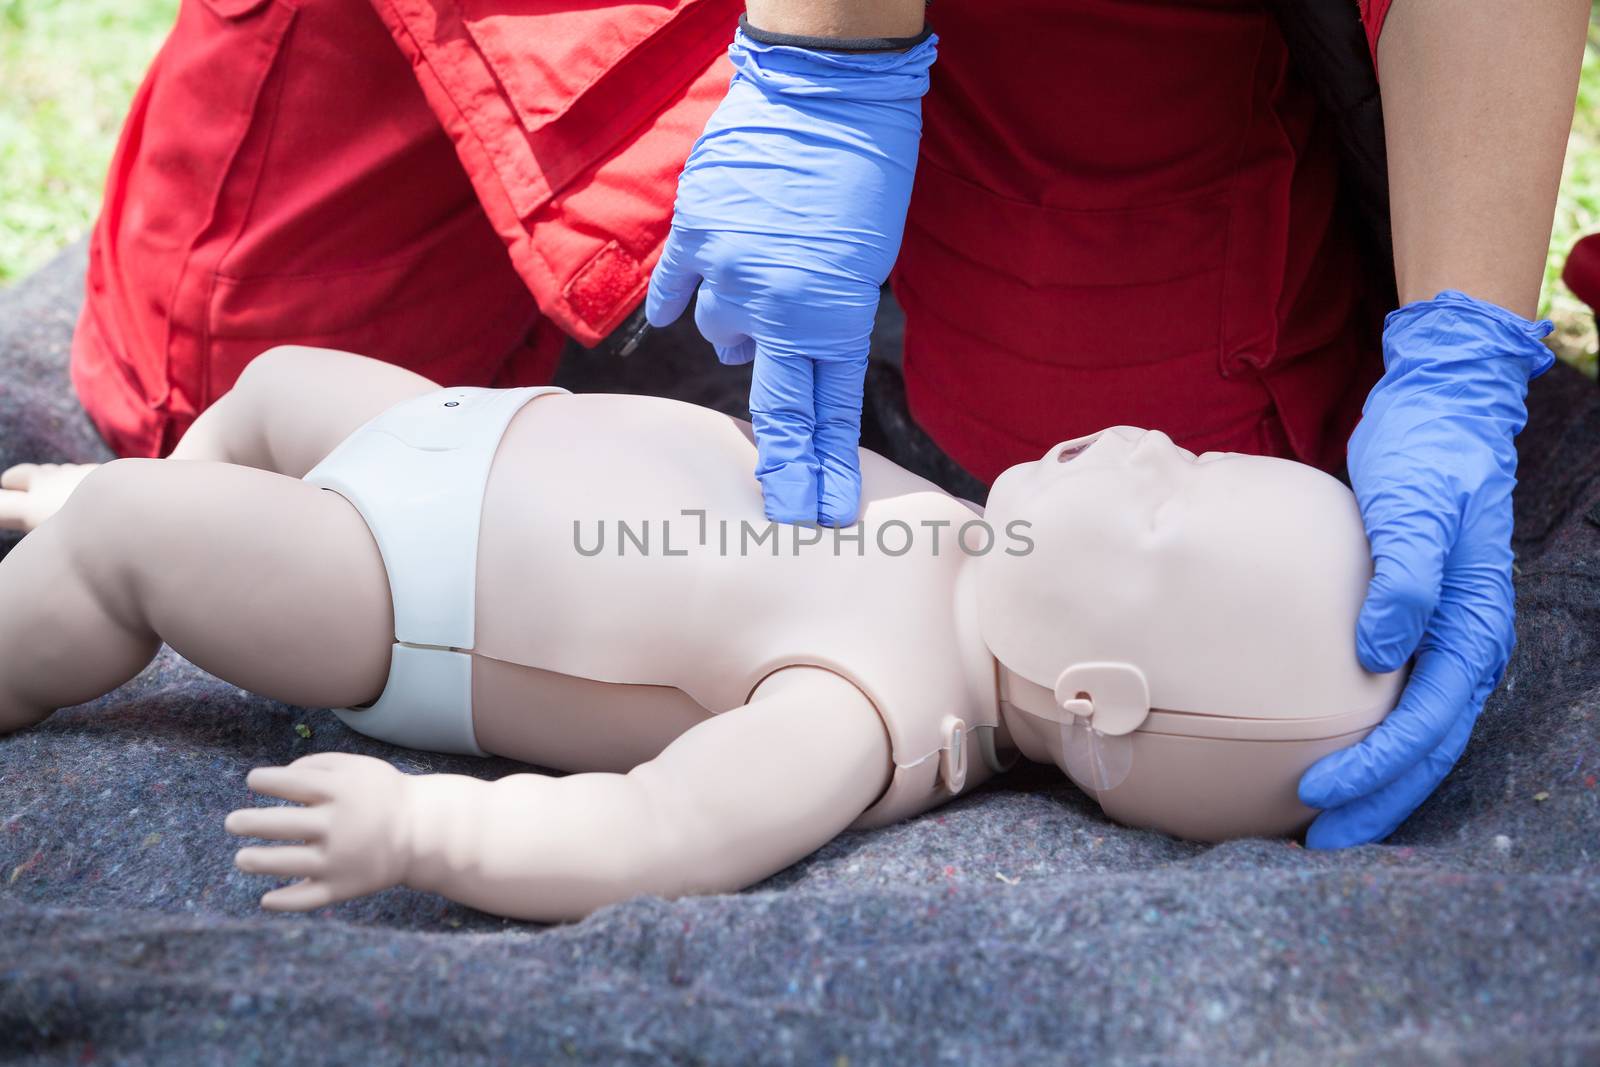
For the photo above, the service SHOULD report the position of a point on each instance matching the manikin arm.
(735, 799)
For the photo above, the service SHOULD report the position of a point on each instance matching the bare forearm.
(1477, 102)
(838, 18)
(547, 849)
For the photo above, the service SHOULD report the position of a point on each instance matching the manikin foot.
(32, 492)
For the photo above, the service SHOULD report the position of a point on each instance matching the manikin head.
(1166, 593)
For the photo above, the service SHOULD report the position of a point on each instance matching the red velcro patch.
(611, 278)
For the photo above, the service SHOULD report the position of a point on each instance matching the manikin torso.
(612, 615)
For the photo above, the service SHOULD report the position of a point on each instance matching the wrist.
(833, 21)
(431, 844)
(808, 78)
(832, 42)
(1454, 328)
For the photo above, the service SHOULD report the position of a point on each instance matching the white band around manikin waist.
(417, 474)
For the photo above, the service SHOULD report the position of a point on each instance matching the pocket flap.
(534, 93)
(235, 9)
(547, 56)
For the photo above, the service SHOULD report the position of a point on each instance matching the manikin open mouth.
(1076, 448)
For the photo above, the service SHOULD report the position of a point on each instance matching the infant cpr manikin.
(588, 583)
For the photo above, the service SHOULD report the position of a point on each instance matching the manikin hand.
(32, 492)
(788, 218)
(1433, 466)
(354, 829)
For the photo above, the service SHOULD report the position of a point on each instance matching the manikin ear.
(1098, 705)
(1111, 698)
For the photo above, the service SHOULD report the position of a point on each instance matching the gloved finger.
(1408, 569)
(838, 438)
(723, 323)
(783, 413)
(1438, 695)
(737, 355)
(1377, 815)
(671, 283)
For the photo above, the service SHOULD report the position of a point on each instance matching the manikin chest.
(623, 541)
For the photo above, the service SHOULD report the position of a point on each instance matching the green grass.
(1577, 213)
(67, 71)
(69, 67)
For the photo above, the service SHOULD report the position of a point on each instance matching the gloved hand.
(788, 218)
(1433, 466)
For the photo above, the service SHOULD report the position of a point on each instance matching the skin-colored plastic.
(1172, 631)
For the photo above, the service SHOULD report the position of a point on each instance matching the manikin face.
(1231, 582)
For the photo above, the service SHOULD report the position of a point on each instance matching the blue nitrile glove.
(1433, 466)
(789, 215)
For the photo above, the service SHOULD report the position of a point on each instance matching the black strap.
(1328, 46)
(835, 44)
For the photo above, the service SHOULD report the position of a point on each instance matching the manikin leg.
(293, 405)
(145, 551)
(289, 409)
(262, 580)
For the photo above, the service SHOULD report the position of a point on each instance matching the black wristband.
(835, 44)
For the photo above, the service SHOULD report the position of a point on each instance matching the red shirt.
(1131, 205)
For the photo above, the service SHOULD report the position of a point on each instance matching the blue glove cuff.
(1454, 328)
(800, 72)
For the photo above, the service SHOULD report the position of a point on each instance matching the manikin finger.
(302, 896)
(838, 438)
(18, 477)
(281, 861)
(325, 762)
(277, 824)
(1377, 815)
(15, 506)
(671, 283)
(1438, 695)
(302, 785)
(783, 414)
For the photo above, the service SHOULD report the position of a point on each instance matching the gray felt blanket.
(1015, 926)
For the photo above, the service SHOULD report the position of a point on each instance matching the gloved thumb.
(672, 283)
(1408, 570)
